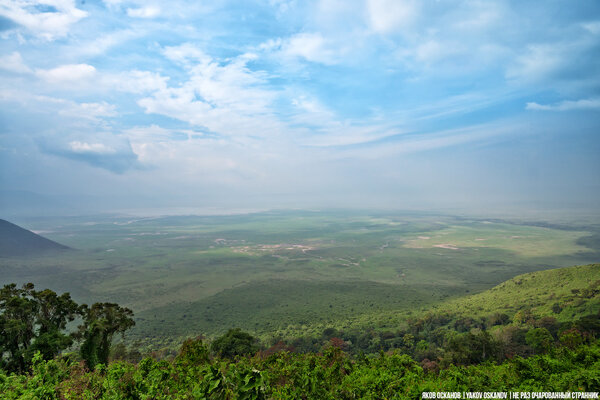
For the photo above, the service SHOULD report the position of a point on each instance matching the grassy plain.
(190, 275)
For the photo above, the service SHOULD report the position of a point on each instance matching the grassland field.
(191, 275)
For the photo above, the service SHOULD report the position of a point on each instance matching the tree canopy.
(101, 322)
(36, 321)
(235, 343)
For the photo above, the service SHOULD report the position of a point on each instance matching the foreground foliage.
(331, 374)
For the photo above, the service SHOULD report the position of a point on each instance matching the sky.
(396, 104)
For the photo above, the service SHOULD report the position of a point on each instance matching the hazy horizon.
(133, 106)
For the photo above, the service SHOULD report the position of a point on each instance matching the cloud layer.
(287, 103)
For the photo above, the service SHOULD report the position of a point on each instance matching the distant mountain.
(16, 241)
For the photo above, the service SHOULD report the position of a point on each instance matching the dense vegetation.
(33, 324)
(505, 339)
(551, 299)
(329, 374)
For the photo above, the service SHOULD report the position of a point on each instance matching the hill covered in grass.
(552, 297)
(16, 242)
(563, 293)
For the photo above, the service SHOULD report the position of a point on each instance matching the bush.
(235, 343)
(540, 339)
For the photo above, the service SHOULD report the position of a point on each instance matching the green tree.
(540, 339)
(18, 312)
(101, 322)
(193, 352)
(471, 348)
(571, 338)
(235, 343)
(33, 321)
(408, 341)
(54, 313)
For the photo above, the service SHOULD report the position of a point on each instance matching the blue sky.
(275, 103)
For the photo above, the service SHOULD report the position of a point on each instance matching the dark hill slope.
(16, 241)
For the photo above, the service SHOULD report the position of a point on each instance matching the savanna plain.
(288, 273)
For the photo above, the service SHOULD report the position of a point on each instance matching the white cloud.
(307, 46)
(57, 106)
(185, 156)
(592, 27)
(69, 73)
(112, 3)
(310, 105)
(433, 51)
(231, 84)
(137, 81)
(144, 12)
(568, 105)
(226, 97)
(310, 46)
(154, 144)
(408, 144)
(185, 53)
(14, 63)
(90, 110)
(49, 19)
(97, 148)
(387, 16)
(310, 112)
(102, 43)
(282, 6)
(539, 62)
(568, 66)
(479, 16)
(156, 133)
(348, 135)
